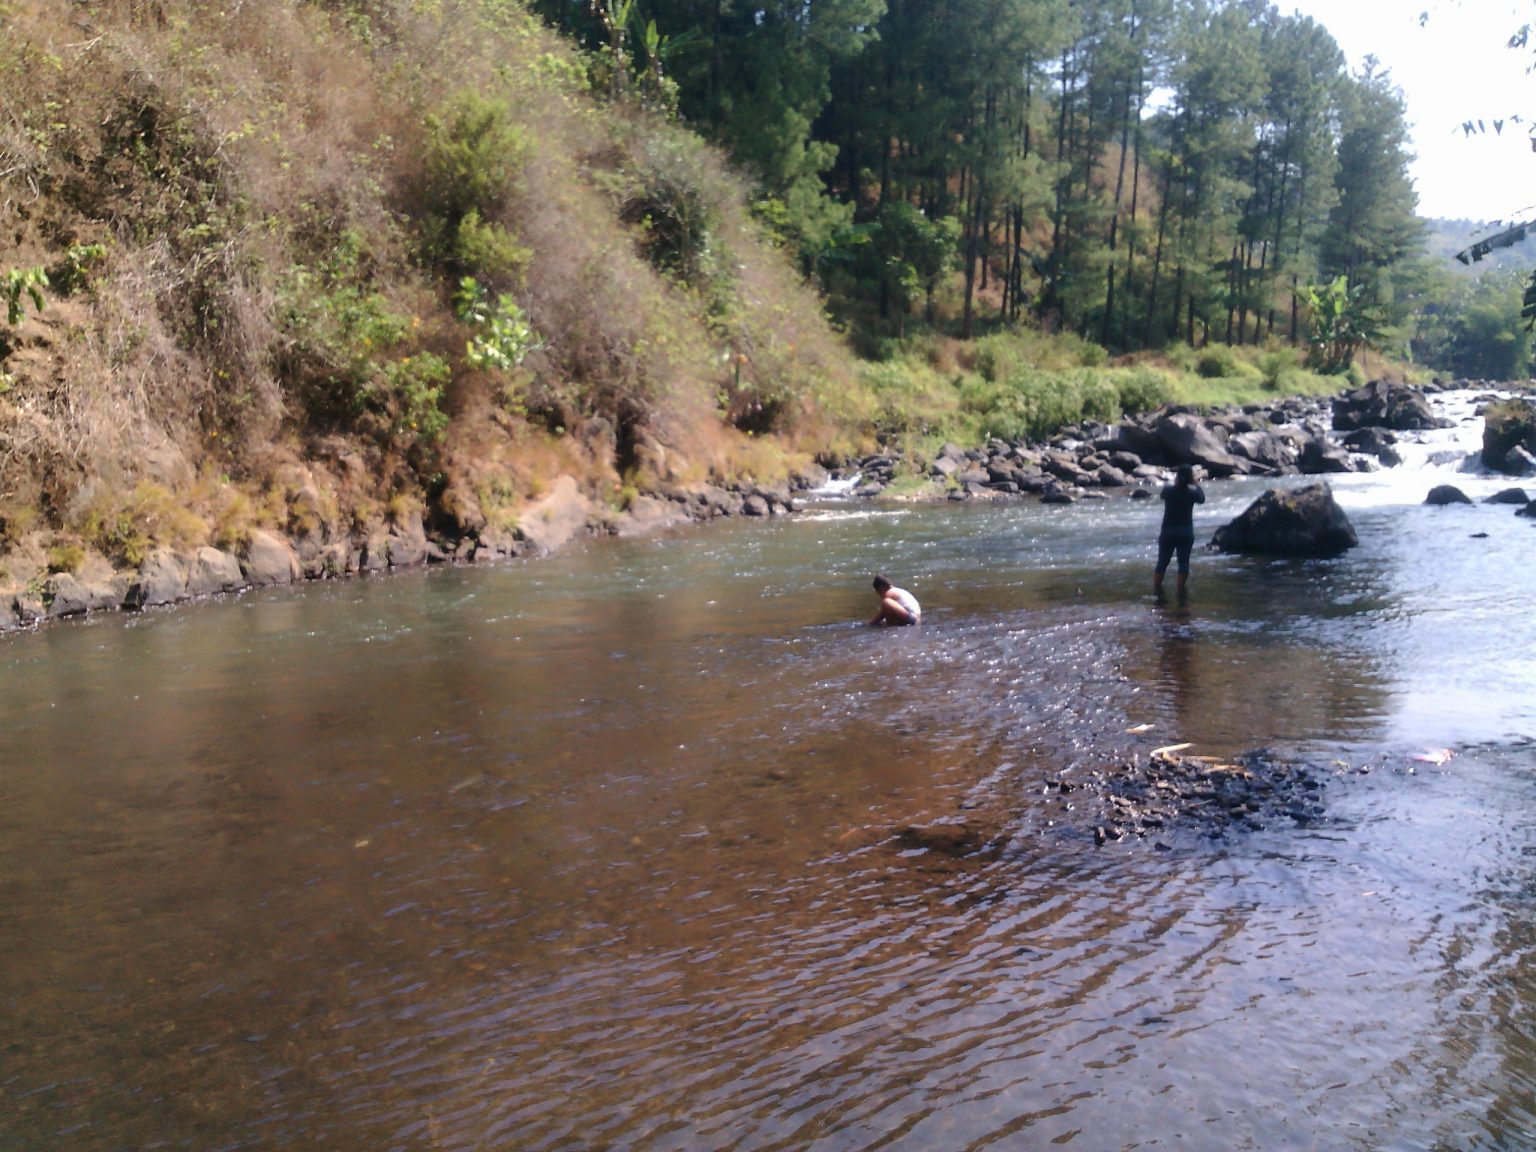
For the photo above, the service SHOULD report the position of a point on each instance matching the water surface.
(599, 852)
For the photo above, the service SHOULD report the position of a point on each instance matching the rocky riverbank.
(1353, 432)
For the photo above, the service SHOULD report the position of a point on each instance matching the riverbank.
(1355, 431)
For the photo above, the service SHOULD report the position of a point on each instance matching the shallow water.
(597, 852)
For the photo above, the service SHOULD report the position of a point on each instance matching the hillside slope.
(322, 268)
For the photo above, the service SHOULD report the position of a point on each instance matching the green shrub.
(473, 164)
(415, 392)
(65, 558)
(1216, 362)
(1143, 389)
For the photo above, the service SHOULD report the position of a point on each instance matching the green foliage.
(414, 386)
(22, 284)
(661, 198)
(1341, 322)
(72, 273)
(489, 251)
(349, 351)
(126, 528)
(911, 252)
(1032, 405)
(474, 158)
(1216, 362)
(65, 558)
(503, 336)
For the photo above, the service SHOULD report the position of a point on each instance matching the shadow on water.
(605, 852)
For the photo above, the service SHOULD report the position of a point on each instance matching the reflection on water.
(598, 852)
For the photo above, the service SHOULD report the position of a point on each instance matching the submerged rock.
(1443, 494)
(1305, 522)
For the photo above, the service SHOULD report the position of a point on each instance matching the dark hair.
(1185, 475)
(881, 583)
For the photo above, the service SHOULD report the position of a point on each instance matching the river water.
(598, 852)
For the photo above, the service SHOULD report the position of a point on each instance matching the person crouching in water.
(897, 605)
(1178, 531)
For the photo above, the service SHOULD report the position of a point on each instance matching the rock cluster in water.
(1297, 436)
(1169, 792)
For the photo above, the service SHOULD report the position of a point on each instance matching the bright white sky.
(1454, 68)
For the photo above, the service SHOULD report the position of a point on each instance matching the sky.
(1452, 68)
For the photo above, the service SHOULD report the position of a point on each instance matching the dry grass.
(215, 149)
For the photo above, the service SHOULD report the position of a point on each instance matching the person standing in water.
(897, 605)
(1178, 531)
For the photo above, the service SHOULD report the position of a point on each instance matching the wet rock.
(213, 571)
(1383, 404)
(1509, 496)
(406, 546)
(162, 579)
(269, 559)
(1509, 437)
(1376, 442)
(1443, 494)
(955, 840)
(1188, 439)
(1266, 449)
(64, 595)
(1303, 522)
(1319, 457)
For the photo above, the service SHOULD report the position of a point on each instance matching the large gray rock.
(1189, 439)
(1509, 436)
(407, 544)
(1270, 452)
(1319, 456)
(1383, 404)
(1442, 494)
(213, 571)
(269, 560)
(162, 579)
(1305, 522)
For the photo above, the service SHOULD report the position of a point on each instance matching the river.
(598, 852)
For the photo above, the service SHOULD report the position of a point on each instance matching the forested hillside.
(322, 265)
(1136, 171)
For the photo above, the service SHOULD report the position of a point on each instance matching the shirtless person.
(897, 605)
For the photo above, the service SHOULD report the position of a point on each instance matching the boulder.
(269, 559)
(1305, 522)
(1188, 439)
(1382, 404)
(1318, 456)
(1509, 436)
(1270, 452)
(647, 514)
(551, 523)
(1442, 494)
(213, 571)
(1377, 442)
(65, 594)
(162, 579)
(1509, 496)
(406, 546)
